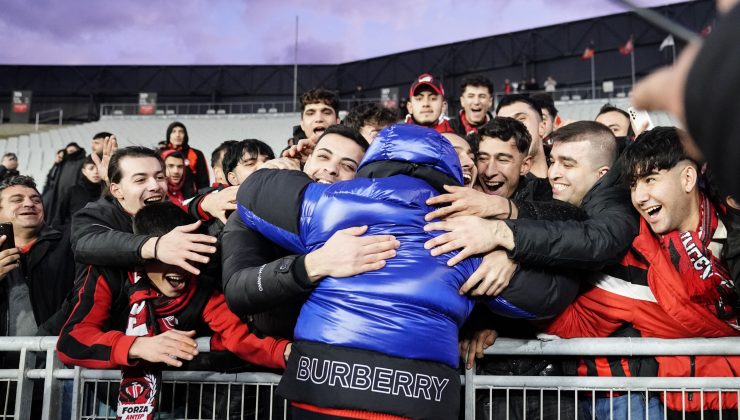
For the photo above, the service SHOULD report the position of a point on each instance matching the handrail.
(216, 109)
(612, 346)
(58, 111)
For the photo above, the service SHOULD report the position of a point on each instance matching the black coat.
(48, 269)
(102, 234)
(77, 197)
(591, 244)
(67, 176)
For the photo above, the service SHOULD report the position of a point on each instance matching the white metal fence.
(39, 386)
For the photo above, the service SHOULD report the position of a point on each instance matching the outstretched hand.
(180, 247)
(110, 145)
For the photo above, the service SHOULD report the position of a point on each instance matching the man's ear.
(526, 165)
(232, 179)
(409, 109)
(689, 178)
(115, 191)
(603, 170)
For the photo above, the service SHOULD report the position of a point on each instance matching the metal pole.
(632, 60)
(295, 68)
(673, 48)
(37, 121)
(593, 76)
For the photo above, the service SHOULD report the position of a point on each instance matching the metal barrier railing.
(251, 394)
(216, 109)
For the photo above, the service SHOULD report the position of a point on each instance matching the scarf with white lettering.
(706, 277)
(150, 314)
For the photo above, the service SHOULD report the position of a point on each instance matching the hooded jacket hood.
(185, 143)
(415, 151)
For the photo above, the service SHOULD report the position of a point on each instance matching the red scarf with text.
(706, 277)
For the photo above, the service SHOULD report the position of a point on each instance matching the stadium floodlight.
(662, 22)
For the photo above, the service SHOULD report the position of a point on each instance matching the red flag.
(588, 53)
(627, 48)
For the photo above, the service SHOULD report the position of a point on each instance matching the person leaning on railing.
(140, 319)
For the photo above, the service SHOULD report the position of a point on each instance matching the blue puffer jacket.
(410, 308)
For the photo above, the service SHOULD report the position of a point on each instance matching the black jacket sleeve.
(255, 277)
(543, 292)
(256, 273)
(102, 235)
(591, 244)
(202, 179)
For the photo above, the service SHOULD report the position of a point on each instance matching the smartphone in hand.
(638, 117)
(7, 230)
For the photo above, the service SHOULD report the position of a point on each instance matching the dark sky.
(261, 31)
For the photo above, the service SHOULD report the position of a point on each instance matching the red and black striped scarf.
(150, 314)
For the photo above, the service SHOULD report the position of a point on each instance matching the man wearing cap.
(427, 104)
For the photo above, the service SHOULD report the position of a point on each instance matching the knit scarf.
(174, 190)
(150, 314)
(470, 128)
(706, 277)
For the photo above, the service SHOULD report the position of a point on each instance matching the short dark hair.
(114, 167)
(476, 81)
(319, 95)
(545, 101)
(235, 151)
(518, 97)
(10, 154)
(611, 108)
(102, 135)
(602, 143)
(156, 219)
(347, 132)
(24, 180)
(653, 150)
(218, 153)
(369, 113)
(176, 155)
(74, 144)
(505, 129)
(88, 161)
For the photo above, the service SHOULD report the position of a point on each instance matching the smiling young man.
(673, 282)
(476, 100)
(526, 111)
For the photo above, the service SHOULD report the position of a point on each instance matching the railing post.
(61, 114)
(37, 121)
(52, 387)
(77, 389)
(470, 393)
(24, 389)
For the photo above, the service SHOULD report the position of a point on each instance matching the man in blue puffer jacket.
(384, 341)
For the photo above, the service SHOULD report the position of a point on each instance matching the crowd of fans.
(370, 256)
